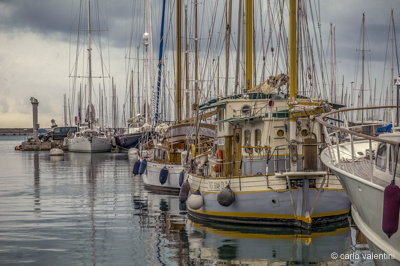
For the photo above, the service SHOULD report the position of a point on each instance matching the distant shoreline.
(16, 131)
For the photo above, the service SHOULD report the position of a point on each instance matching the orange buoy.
(220, 159)
(18, 148)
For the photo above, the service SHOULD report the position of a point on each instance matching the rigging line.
(280, 38)
(209, 42)
(319, 45)
(395, 44)
(100, 46)
(77, 54)
(386, 55)
(310, 55)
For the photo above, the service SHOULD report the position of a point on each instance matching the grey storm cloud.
(60, 18)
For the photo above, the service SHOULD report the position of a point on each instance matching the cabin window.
(247, 141)
(381, 156)
(392, 160)
(257, 140)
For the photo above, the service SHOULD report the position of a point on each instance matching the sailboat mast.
(65, 110)
(148, 43)
(398, 70)
(89, 67)
(249, 44)
(187, 95)
(238, 47)
(227, 42)
(292, 80)
(160, 55)
(178, 94)
(196, 59)
(363, 66)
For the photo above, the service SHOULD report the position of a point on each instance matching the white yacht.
(369, 180)
(90, 138)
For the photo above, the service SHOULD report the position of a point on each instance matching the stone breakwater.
(16, 131)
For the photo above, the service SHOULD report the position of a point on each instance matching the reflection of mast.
(91, 179)
(36, 183)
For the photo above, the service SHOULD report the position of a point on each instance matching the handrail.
(320, 119)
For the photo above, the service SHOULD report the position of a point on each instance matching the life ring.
(220, 159)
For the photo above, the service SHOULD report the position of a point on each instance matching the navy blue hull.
(128, 141)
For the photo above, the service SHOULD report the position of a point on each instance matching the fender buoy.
(391, 208)
(163, 175)
(195, 200)
(181, 177)
(56, 152)
(226, 196)
(220, 158)
(182, 206)
(18, 148)
(142, 168)
(184, 191)
(136, 167)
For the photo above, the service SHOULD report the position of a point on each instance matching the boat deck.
(362, 168)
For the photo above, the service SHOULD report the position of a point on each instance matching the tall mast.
(160, 55)
(196, 59)
(90, 67)
(238, 47)
(292, 79)
(249, 44)
(362, 66)
(398, 71)
(148, 43)
(138, 81)
(227, 42)
(65, 110)
(132, 98)
(187, 96)
(178, 95)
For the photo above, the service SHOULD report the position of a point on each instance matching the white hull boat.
(365, 176)
(151, 177)
(88, 142)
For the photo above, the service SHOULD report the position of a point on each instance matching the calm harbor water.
(85, 209)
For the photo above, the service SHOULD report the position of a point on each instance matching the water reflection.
(89, 209)
(36, 182)
(225, 244)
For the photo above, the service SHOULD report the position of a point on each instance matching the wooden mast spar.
(178, 95)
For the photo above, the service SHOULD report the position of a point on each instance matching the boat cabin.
(386, 156)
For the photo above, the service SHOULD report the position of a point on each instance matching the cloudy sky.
(36, 42)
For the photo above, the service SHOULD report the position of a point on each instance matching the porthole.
(304, 132)
(280, 133)
(246, 109)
